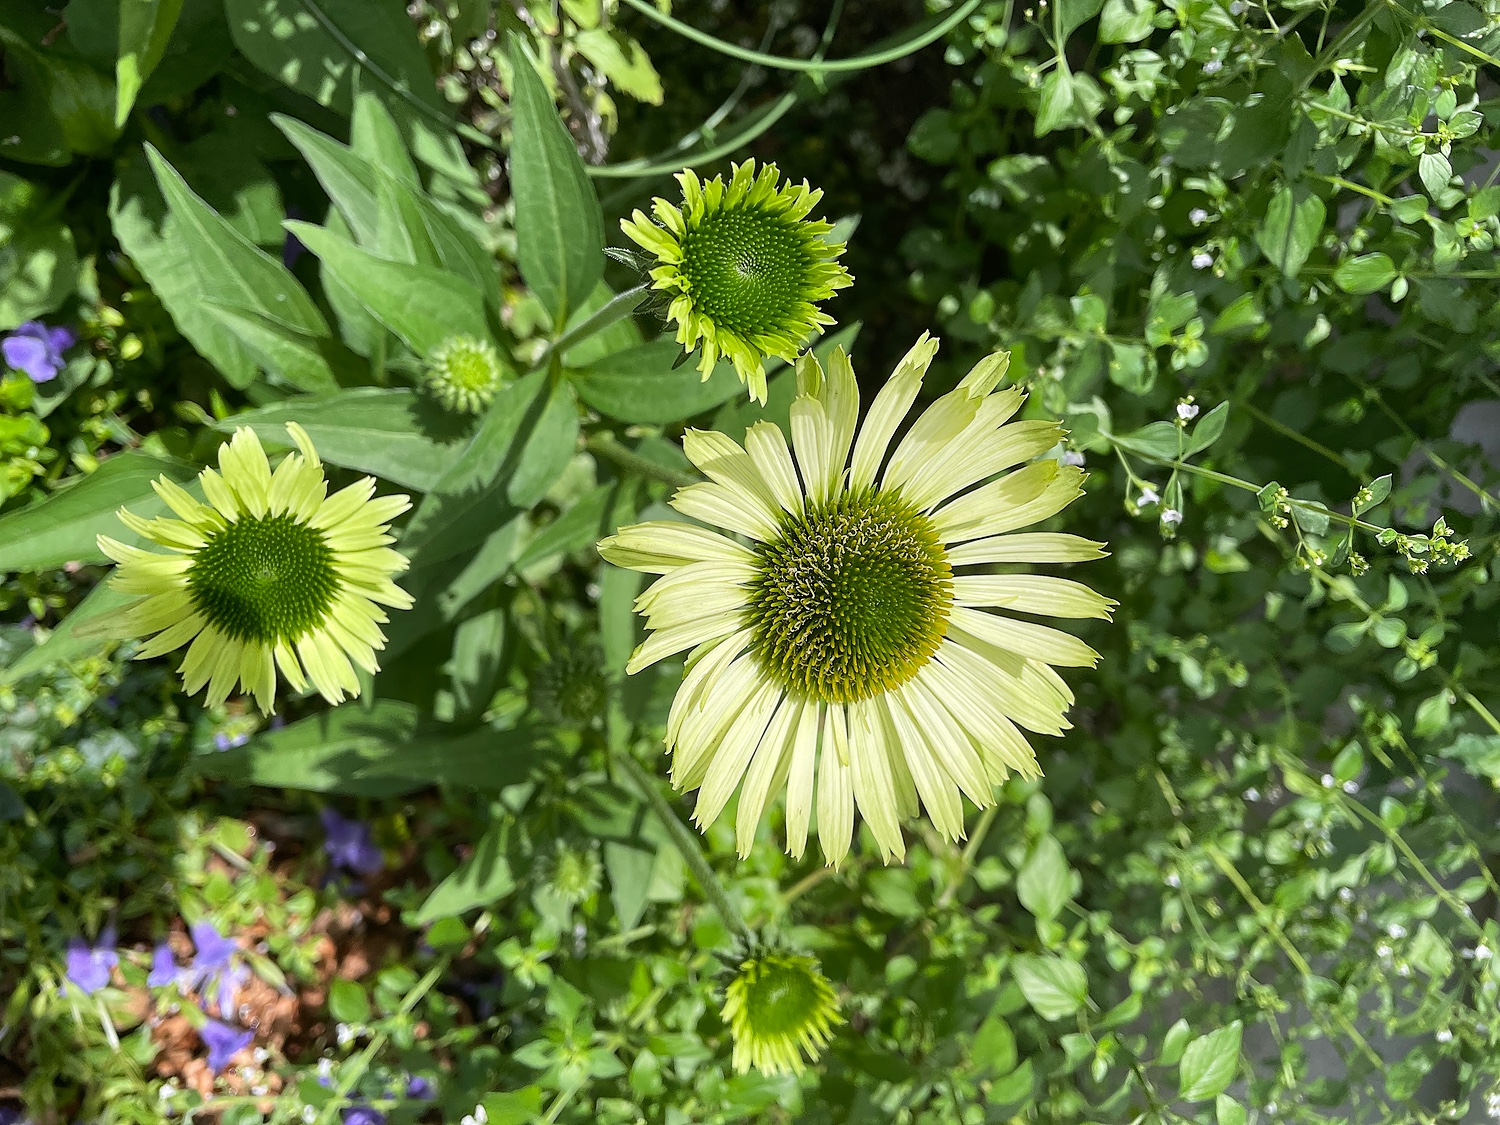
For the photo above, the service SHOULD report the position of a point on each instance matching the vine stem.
(687, 845)
(777, 62)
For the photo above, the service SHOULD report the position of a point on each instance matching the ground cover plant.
(584, 561)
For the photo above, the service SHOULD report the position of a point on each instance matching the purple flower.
(37, 350)
(419, 1087)
(349, 844)
(223, 741)
(363, 1115)
(214, 960)
(163, 966)
(10, 1115)
(89, 965)
(223, 1043)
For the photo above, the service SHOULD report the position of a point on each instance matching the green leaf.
(1208, 430)
(629, 868)
(305, 362)
(347, 1001)
(1073, 14)
(1045, 883)
(472, 497)
(62, 527)
(559, 226)
(1126, 21)
(1227, 1111)
(1290, 230)
(994, 1047)
(375, 138)
(1056, 105)
(231, 269)
(1053, 986)
(640, 385)
(1209, 1064)
(585, 523)
(325, 753)
(1432, 714)
(1157, 439)
(145, 28)
(1435, 172)
(481, 880)
(421, 305)
(38, 259)
(1174, 1043)
(353, 184)
(70, 639)
(1367, 273)
(395, 434)
(474, 667)
(1379, 489)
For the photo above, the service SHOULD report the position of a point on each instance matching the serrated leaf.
(1209, 1063)
(1053, 986)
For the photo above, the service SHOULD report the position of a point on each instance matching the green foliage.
(1246, 254)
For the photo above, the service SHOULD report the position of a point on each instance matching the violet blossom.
(215, 962)
(349, 844)
(37, 350)
(89, 966)
(163, 966)
(223, 1043)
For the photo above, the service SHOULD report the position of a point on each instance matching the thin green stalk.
(604, 445)
(687, 846)
(777, 62)
(971, 853)
(616, 309)
(1302, 439)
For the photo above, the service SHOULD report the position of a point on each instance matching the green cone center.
(264, 579)
(783, 997)
(852, 600)
(746, 270)
(470, 369)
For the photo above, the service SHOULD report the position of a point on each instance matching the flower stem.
(617, 308)
(605, 445)
(687, 846)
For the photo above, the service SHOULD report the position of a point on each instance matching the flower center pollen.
(852, 600)
(264, 579)
(745, 269)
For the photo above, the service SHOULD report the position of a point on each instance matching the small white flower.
(1482, 953)
(1383, 951)
(1444, 1036)
(1213, 66)
(309, 1114)
(1202, 260)
(1396, 930)
(260, 1054)
(1072, 457)
(1351, 787)
(260, 1089)
(1237, 7)
(1148, 496)
(1346, 894)
(478, 1117)
(1173, 880)
(345, 1034)
(167, 1091)
(1171, 516)
(1187, 411)
(1327, 780)
(1197, 216)
(1252, 794)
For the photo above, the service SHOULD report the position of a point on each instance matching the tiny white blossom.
(1351, 787)
(325, 1068)
(1346, 894)
(1213, 66)
(1444, 1036)
(1383, 950)
(1327, 781)
(1171, 516)
(309, 1114)
(1072, 457)
(1252, 794)
(1237, 7)
(345, 1034)
(1482, 953)
(1197, 216)
(1148, 495)
(478, 1117)
(1187, 411)
(167, 1090)
(1396, 930)
(1202, 260)
(1173, 880)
